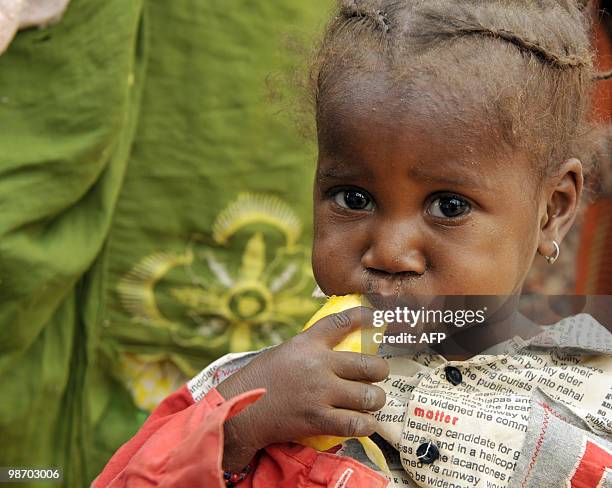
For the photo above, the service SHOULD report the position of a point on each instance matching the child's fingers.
(359, 367)
(356, 395)
(344, 423)
(335, 327)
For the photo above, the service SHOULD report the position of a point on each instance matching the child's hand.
(312, 390)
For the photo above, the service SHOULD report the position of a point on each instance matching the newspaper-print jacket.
(538, 415)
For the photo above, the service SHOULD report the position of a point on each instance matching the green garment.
(154, 213)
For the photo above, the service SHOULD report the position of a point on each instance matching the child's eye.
(354, 199)
(449, 207)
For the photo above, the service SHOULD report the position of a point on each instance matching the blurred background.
(156, 161)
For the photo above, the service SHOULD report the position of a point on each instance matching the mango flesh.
(357, 341)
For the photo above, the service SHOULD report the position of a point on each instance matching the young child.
(448, 135)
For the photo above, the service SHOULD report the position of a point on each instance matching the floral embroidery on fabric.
(257, 300)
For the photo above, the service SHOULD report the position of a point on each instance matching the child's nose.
(396, 247)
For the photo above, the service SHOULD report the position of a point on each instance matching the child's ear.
(562, 191)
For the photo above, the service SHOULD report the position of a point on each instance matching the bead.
(232, 478)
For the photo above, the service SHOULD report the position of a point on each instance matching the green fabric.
(154, 212)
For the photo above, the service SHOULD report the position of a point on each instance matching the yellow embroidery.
(260, 302)
(150, 379)
(249, 208)
(137, 288)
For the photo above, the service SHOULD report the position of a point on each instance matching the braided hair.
(532, 59)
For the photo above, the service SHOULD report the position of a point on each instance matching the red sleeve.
(180, 444)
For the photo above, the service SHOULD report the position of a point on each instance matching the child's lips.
(389, 294)
(391, 288)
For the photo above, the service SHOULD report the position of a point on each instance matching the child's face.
(423, 201)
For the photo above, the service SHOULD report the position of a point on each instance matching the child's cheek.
(335, 264)
(487, 264)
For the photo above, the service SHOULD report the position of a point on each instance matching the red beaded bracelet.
(232, 479)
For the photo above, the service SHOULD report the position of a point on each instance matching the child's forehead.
(376, 133)
(372, 115)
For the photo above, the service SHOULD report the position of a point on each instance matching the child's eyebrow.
(343, 172)
(451, 174)
(459, 175)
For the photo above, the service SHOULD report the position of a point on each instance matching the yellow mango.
(356, 341)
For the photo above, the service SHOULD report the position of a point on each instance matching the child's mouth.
(389, 285)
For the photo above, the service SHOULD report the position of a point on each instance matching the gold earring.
(555, 256)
